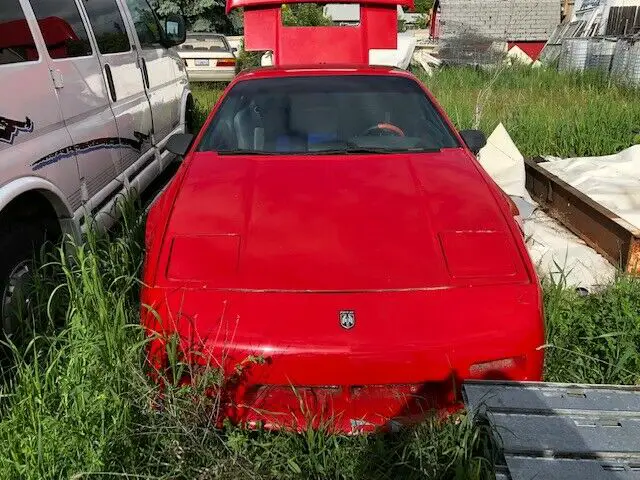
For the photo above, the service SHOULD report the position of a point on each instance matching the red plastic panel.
(231, 4)
(380, 24)
(261, 27)
(319, 45)
(533, 49)
(478, 254)
(218, 258)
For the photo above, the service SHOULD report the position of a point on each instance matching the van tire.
(18, 244)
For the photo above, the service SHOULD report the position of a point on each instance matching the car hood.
(339, 223)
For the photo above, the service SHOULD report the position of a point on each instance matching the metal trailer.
(560, 431)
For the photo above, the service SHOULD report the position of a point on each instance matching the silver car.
(91, 92)
(208, 57)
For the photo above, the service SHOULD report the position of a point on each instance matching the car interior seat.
(249, 128)
(311, 120)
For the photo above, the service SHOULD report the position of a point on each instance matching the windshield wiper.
(374, 150)
(244, 152)
(351, 150)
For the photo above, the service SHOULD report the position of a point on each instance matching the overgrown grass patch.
(546, 112)
(205, 95)
(593, 339)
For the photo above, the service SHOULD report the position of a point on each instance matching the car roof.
(321, 70)
(204, 34)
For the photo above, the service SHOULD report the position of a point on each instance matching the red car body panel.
(264, 30)
(57, 34)
(257, 256)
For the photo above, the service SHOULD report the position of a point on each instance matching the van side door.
(84, 101)
(34, 141)
(164, 83)
(119, 63)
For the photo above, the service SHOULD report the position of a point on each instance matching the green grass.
(205, 95)
(594, 339)
(546, 113)
(78, 403)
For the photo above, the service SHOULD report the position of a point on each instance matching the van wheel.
(17, 245)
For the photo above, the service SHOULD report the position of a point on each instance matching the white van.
(90, 92)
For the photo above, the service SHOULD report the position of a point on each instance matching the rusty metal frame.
(600, 228)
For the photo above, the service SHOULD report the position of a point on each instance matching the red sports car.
(332, 245)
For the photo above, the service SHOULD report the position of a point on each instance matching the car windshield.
(204, 43)
(325, 115)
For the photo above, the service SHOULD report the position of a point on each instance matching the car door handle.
(145, 72)
(112, 87)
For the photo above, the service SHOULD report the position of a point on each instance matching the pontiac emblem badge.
(347, 319)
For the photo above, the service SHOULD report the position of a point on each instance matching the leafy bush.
(246, 60)
(423, 21)
(304, 15)
(424, 6)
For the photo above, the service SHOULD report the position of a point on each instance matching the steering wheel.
(385, 129)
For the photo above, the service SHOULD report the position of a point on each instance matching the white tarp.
(556, 252)
(504, 162)
(517, 55)
(399, 57)
(267, 59)
(613, 181)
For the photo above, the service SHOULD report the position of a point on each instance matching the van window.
(146, 23)
(62, 28)
(108, 26)
(16, 41)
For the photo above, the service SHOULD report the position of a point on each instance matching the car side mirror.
(474, 139)
(234, 50)
(180, 143)
(175, 30)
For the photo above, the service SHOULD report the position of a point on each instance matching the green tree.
(201, 15)
(304, 15)
(424, 6)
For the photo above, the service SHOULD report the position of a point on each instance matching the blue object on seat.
(289, 143)
(322, 137)
(284, 143)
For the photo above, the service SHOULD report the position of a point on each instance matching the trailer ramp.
(560, 431)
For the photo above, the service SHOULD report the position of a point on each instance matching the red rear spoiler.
(263, 30)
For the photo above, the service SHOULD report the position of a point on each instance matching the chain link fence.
(471, 49)
(618, 57)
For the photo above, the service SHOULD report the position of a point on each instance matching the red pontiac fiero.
(331, 223)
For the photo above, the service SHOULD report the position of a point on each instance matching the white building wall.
(514, 20)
